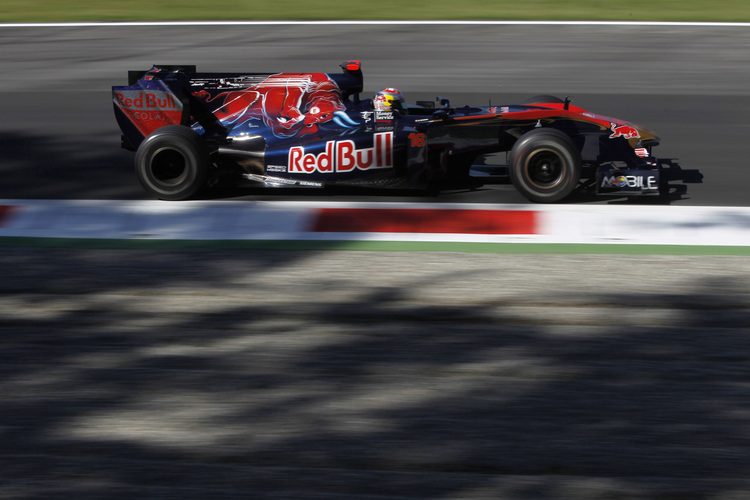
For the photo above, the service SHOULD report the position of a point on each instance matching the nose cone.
(634, 133)
(646, 133)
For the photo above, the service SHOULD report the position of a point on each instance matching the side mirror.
(444, 102)
(440, 114)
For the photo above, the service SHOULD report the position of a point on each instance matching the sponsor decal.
(642, 152)
(647, 182)
(275, 168)
(289, 104)
(343, 156)
(146, 100)
(149, 109)
(625, 131)
(384, 116)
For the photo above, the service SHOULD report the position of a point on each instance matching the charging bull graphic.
(625, 131)
(290, 104)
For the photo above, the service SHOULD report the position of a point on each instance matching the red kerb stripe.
(404, 220)
(5, 211)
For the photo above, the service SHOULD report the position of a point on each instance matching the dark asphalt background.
(198, 374)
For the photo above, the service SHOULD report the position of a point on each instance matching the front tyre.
(544, 165)
(172, 163)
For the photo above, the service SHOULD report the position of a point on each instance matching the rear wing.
(151, 100)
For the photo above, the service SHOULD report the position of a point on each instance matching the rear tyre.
(172, 163)
(544, 165)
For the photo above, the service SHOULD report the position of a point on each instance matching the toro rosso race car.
(191, 129)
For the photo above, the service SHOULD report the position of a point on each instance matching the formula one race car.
(313, 129)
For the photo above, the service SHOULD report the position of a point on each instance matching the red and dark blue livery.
(315, 129)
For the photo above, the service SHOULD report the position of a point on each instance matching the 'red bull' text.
(343, 156)
(146, 100)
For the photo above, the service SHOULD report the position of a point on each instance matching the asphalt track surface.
(374, 375)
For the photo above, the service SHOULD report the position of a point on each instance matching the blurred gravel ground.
(372, 375)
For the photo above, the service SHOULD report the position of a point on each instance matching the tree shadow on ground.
(236, 374)
(66, 167)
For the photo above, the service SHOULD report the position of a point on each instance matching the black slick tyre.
(172, 163)
(544, 165)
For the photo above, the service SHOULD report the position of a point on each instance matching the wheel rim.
(545, 169)
(169, 167)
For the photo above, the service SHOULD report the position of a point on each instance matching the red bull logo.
(146, 100)
(149, 109)
(343, 156)
(625, 131)
(290, 104)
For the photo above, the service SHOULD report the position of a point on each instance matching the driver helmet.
(388, 100)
